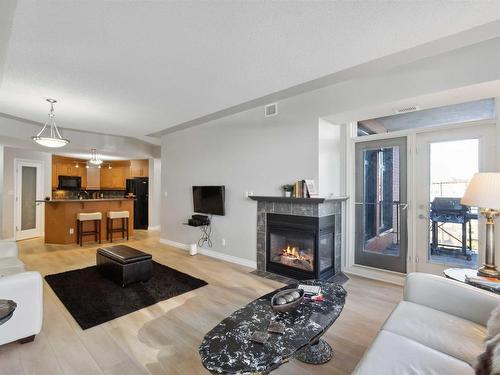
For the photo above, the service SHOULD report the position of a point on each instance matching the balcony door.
(380, 205)
(448, 234)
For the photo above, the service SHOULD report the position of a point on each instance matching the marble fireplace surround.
(315, 207)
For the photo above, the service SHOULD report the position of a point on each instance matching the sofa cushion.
(392, 354)
(10, 266)
(446, 333)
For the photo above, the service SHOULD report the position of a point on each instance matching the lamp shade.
(483, 191)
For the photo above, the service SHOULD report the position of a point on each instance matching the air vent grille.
(410, 108)
(271, 110)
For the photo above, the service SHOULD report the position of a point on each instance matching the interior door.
(448, 234)
(29, 188)
(380, 213)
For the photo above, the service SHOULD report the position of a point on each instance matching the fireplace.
(301, 247)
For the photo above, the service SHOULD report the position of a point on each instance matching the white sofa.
(438, 328)
(26, 290)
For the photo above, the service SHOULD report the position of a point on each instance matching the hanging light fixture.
(95, 158)
(51, 138)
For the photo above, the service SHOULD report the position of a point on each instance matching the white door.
(447, 234)
(29, 188)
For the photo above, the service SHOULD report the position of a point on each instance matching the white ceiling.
(134, 68)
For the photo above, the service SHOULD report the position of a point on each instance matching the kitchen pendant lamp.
(49, 136)
(95, 159)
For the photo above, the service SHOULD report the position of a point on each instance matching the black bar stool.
(112, 215)
(82, 217)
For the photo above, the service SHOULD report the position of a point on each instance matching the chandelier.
(49, 136)
(95, 159)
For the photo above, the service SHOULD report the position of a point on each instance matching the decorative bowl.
(288, 306)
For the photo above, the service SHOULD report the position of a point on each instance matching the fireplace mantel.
(262, 198)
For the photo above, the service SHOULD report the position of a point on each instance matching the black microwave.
(70, 183)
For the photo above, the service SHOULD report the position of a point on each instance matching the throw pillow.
(488, 363)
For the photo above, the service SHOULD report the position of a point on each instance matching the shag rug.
(92, 299)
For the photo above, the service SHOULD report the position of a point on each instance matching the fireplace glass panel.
(326, 252)
(293, 249)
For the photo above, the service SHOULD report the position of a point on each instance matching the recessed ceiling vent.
(410, 108)
(271, 110)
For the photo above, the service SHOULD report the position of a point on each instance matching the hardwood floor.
(164, 338)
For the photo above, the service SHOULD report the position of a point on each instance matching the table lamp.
(484, 192)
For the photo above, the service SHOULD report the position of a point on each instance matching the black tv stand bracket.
(204, 223)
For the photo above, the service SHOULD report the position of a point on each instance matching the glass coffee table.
(7, 308)
(227, 348)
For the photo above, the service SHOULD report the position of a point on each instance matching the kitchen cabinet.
(116, 177)
(139, 168)
(62, 166)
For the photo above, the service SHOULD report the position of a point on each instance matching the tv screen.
(209, 199)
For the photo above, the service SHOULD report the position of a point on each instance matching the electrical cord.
(206, 232)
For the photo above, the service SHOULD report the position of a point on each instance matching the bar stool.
(112, 215)
(82, 217)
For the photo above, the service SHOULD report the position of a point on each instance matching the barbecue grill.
(450, 210)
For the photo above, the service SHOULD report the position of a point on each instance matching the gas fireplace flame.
(292, 252)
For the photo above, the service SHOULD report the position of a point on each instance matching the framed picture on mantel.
(311, 188)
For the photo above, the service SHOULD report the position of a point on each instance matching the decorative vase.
(288, 194)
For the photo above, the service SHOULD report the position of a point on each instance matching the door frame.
(32, 233)
(486, 164)
(351, 140)
(392, 261)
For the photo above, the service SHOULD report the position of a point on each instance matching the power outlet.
(223, 242)
(71, 231)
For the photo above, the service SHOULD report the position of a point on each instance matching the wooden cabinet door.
(139, 168)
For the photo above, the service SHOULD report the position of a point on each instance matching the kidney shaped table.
(227, 348)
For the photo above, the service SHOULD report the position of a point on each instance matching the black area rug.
(92, 299)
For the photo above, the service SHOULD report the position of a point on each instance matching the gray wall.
(154, 193)
(246, 152)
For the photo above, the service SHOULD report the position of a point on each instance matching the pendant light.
(95, 158)
(51, 138)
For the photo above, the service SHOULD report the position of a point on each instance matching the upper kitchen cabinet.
(63, 166)
(139, 168)
(116, 177)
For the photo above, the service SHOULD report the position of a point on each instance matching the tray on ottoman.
(123, 264)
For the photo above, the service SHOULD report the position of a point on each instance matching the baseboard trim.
(376, 274)
(212, 254)
(174, 244)
(154, 227)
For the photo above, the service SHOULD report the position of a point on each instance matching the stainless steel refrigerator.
(139, 187)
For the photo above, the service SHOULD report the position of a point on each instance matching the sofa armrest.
(450, 296)
(8, 249)
(26, 290)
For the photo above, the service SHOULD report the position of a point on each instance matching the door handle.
(422, 216)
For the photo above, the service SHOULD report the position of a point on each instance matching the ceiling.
(136, 68)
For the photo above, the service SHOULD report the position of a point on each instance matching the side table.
(459, 274)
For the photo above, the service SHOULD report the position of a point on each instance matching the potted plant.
(288, 190)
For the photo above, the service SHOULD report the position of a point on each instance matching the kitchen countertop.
(82, 200)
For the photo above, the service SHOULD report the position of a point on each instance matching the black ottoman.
(124, 265)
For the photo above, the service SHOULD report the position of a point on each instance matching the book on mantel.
(304, 189)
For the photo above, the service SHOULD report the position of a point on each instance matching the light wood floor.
(164, 338)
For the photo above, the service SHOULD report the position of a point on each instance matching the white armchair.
(26, 290)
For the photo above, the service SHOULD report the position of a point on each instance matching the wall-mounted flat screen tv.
(209, 200)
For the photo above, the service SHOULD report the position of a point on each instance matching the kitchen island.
(60, 217)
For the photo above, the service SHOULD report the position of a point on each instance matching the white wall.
(246, 152)
(331, 159)
(10, 154)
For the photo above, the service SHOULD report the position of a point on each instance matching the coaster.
(259, 337)
(276, 327)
